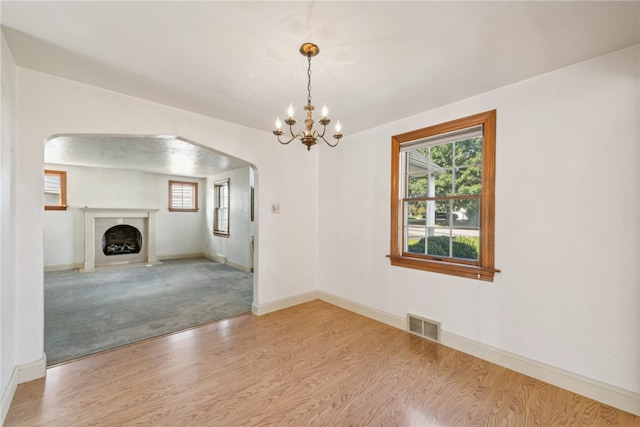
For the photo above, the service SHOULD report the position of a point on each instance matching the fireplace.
(118, 236)
(121, 239)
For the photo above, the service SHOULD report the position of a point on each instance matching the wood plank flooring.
(313, 364)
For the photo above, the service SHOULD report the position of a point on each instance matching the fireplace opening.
(121, 239)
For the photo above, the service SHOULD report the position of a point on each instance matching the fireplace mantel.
(113, 212)
(90, 215)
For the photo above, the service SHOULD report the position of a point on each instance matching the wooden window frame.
(62, 204)
(484, 268)
(194, 186)
(216, 207)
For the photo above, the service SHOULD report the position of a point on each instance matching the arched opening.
(140, 213)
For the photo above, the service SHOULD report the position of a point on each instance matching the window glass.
(221, 208)
(443, 197)
(55, 190)
(183, 196)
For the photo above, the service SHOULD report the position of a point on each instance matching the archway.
(122, 178)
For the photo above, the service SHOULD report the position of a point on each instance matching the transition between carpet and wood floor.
(90, 312)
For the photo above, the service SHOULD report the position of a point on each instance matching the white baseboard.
(21, 374)
(281, 304)
(217, 258)
(7, 395)
(372, 313)
(240, 267)
(181, 256)
(224, 260)
(617, 397)
(32, 370)
(61, 267)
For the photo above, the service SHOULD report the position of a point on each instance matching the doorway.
(132, 173)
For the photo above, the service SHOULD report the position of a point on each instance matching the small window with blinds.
(55, 190)
(443, 198)
(221, 208)
(183, 196)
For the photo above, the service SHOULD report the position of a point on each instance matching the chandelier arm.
(293, 136)
(283, 142)
(327, 142)
(330, 144)
(321, 135)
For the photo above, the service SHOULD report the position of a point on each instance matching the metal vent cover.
(423, 327)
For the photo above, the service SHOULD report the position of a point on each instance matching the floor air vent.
(423, 327)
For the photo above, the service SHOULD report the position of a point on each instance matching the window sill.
(219, 234)
(453, 269)
(182, 210)
(55, 208)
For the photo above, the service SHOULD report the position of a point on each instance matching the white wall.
(49, 105)
(8, 219)
(236, 248)
(567, 224)
(177, 233)
(567, 214)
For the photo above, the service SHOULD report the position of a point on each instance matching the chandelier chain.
(309, 81)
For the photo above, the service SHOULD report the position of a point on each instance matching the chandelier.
(308, 136)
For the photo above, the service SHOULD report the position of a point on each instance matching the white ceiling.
(163, 154)
(379, 61)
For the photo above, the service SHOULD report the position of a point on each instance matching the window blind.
(52, 184)
(182, 196)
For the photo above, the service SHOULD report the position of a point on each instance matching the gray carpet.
(90, 312)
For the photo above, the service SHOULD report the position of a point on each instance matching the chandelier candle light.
(308, 136)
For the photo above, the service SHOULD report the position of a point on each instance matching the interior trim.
(617, 397)
(32, 370)
(7, 395)
(21, 374)
(261, 309)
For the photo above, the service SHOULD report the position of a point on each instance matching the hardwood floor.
(313, 364)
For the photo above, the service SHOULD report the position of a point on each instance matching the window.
(442, 197)
(55, 190)
(183, 196)
(221, 208)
